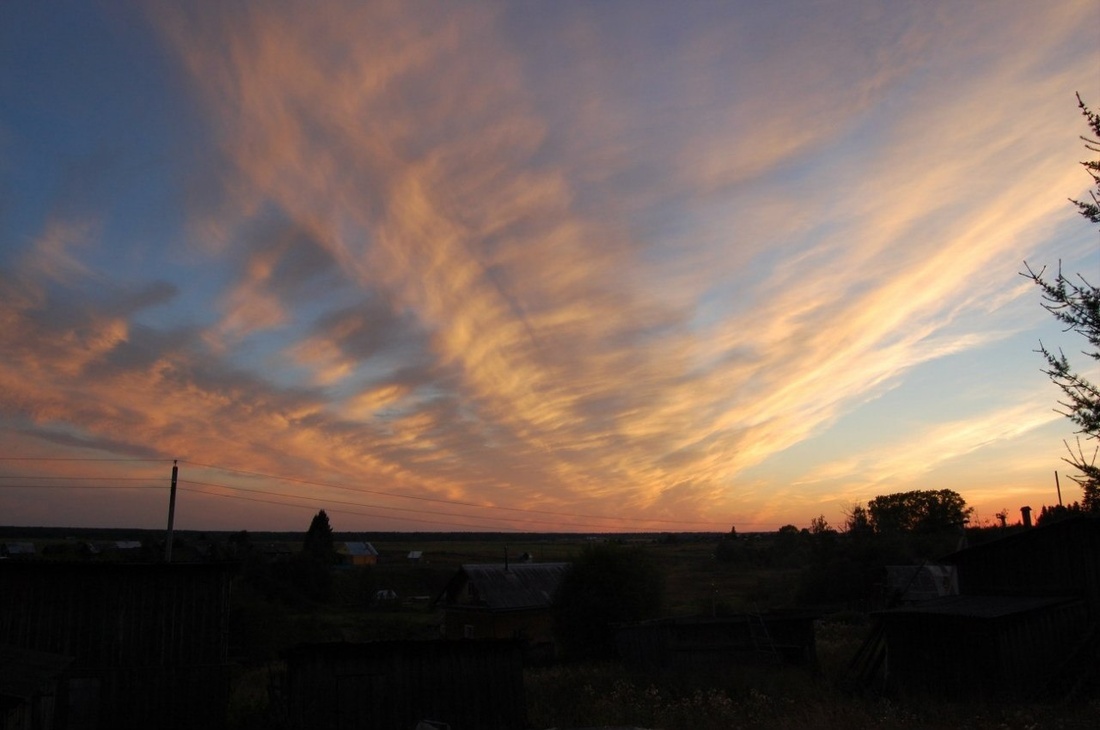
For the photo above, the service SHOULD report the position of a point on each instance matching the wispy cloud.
(572, 257)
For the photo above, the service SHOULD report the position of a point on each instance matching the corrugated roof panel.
(517, 586)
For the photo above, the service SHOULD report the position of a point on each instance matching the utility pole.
(171, 512)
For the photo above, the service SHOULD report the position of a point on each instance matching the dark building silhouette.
(1023, 626)
(503, 601)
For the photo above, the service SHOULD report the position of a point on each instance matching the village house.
(503, 601)
(357, 553)
(19, 550)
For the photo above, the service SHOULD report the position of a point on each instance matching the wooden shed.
(1025, 622)
(980, 646)
(1062, 558)
(148, 642)
(383, 685)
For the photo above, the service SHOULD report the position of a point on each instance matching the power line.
(74, 458)
(90, 479)
(313, 500)
(640, 522)
(73, 486)
(440, 500)
(334, 511)
(382, 507)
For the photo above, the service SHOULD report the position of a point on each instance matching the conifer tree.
(1075, 302)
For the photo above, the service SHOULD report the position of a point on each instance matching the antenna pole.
(171, 512)
(1059, 487)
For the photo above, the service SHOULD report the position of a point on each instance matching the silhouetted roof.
(513, 587)
(1059, 529)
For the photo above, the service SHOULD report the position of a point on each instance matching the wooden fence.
(148, 642)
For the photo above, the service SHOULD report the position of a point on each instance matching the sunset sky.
(534, 266)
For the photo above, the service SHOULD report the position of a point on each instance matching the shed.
(979, 646)
(1062, 558)
(1025, 622)
(357, 553)
(502, 601)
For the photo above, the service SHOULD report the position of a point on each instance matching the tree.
(1075, 302)
(607, 585)
(318, 543)
(857, 521)
(819, 526)
(922, 510)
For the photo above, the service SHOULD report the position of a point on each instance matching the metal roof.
(358, 548)
(19, 548)
(504, 587)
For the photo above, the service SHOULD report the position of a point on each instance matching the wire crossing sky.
(685, 264)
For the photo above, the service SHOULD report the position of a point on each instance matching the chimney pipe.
(1026, 512)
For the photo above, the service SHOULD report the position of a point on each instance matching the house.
(381, 685)
(414, 556)
(21, 550)
(357, 553)
(1024, 624)
(503, 601)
